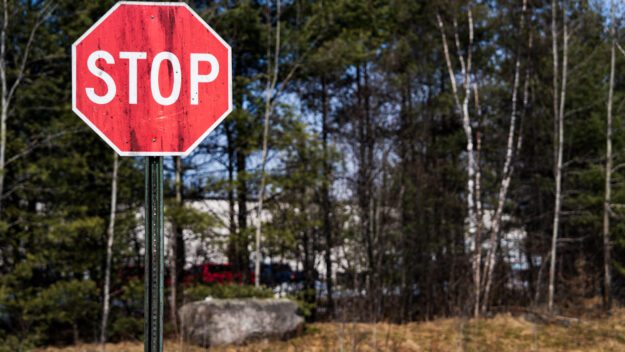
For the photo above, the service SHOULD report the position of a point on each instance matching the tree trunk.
(242, 240)
(76, 334)
(365, 186)
(178, 259)
(463, 109)
(477, 257)
(479, 213)
(272, 78)
(325, 194)
(232, 225)
(607, 279)
(4, 109)
(506, 175)
(560, 145)
(110, 234)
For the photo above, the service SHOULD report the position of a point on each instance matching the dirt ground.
(501, 333)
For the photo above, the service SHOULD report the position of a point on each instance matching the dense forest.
(441, 158)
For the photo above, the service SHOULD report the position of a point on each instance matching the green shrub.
(132, 295)
(305, 302)
(127, 328)
(63, 304)
(14, 343)
(200, 292)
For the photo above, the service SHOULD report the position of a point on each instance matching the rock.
(219, 322)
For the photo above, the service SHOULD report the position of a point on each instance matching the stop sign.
(151, 78)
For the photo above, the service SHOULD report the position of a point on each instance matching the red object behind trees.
(220, 273)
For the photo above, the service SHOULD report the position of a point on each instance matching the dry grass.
(501, 333)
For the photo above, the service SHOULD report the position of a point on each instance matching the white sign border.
(97, 130)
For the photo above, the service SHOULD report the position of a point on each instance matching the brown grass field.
(501, 333)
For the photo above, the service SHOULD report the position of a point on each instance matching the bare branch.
(47, 10)
(620, 48)
(39, 142)
(450, 70)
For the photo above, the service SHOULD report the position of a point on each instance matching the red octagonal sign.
(151, 78)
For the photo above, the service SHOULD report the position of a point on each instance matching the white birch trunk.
(560, 145)
(477, 248)
(3, 97)
(506, 176)
(607, 276)
(272, 79)
(463, 109)
(110, 234)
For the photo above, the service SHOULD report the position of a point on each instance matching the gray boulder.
(218, 322)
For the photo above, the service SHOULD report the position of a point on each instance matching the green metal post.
(153, 295)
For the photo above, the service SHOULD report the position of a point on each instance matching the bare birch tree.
(477, 265)
(7, 91)
(559, 115)
(272, 79)
(110, 237)
(506, 174)
(463, 109)
(607, 276)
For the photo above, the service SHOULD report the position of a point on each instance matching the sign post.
(154, 253)
(153, 80)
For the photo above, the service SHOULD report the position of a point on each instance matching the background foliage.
(366, 160)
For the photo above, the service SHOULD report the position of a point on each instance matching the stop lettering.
(133, 58)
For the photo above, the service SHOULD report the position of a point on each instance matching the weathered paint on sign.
(151, 78)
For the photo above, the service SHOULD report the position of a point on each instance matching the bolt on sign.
(152, 79)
